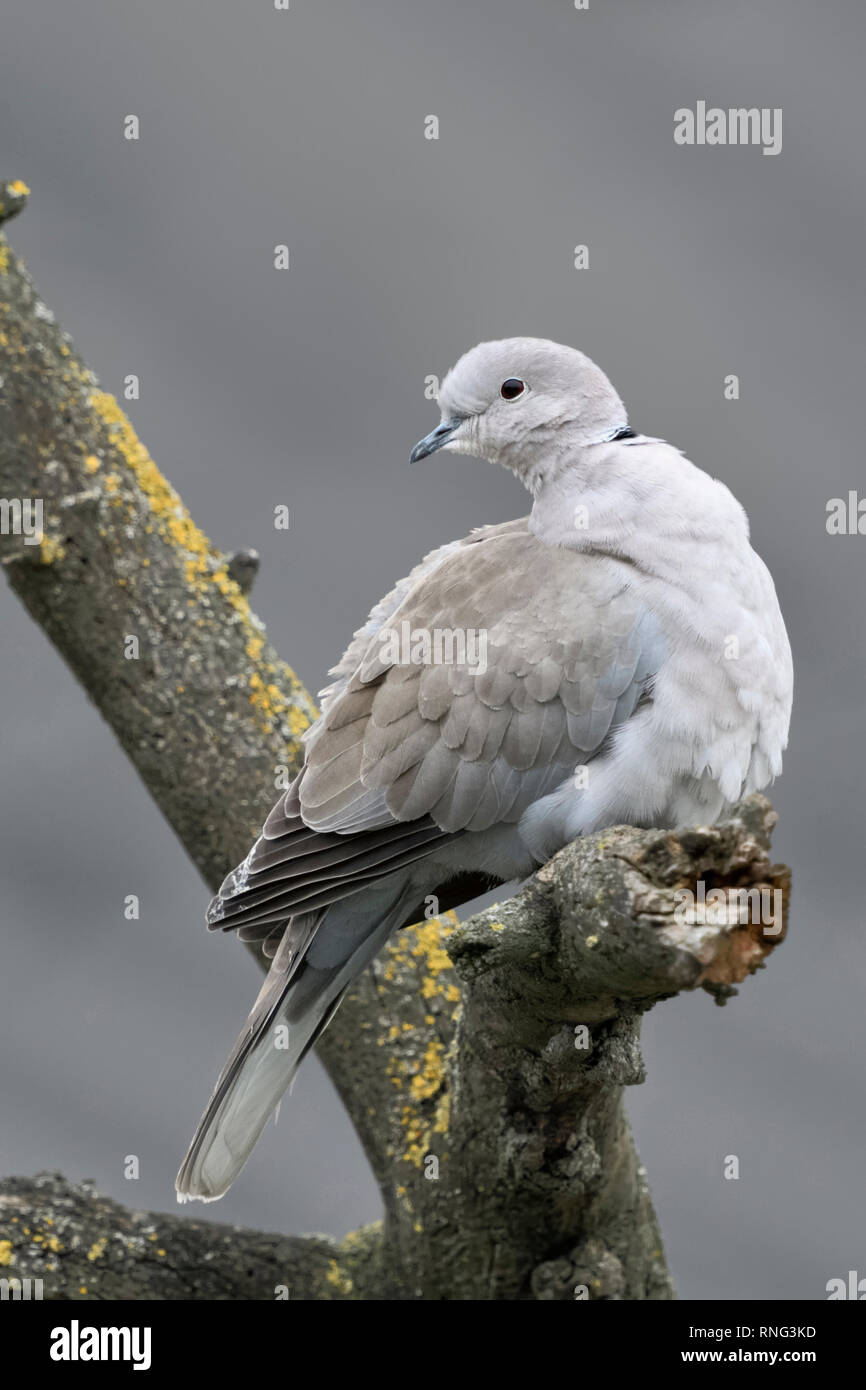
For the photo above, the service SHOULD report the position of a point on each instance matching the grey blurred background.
(307, 387)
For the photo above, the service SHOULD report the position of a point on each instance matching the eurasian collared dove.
(635, 669)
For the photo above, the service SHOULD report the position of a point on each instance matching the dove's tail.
(321, 953)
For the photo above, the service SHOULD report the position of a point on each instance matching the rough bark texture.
(483, 1065)
(83, 1246)
(133, 595)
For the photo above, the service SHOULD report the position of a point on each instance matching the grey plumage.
(606, 614)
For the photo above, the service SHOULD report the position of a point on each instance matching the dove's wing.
(385, 609)
(409, 754)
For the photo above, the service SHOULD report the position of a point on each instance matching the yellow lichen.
(19, 188)
(427, 1081)
(172, 518)
(297, 721)
(353, 1238)
(91, 463)
(270, 701)
(420, 950)
(50, 549)
(338, 1278)
(442, 1117)
(204, 568)
(6, 1256)
(97, 1248)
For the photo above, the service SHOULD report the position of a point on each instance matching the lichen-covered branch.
(508, 1166)
(84, 1246)
(151, 617)
(483, 1065)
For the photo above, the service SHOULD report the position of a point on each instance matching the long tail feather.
(319, 956)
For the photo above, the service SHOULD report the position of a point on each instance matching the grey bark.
(483, 1065)
(83, 1246)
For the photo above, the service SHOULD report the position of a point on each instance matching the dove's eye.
(512, 388)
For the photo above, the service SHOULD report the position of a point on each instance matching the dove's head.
(525, 403)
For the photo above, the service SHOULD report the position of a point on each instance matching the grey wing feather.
(407, 756)
(562, 669)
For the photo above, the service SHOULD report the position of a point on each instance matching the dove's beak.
(433, 441)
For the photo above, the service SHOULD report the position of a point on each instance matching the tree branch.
(482, 1065)
(83, 1246)
(135, 598)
